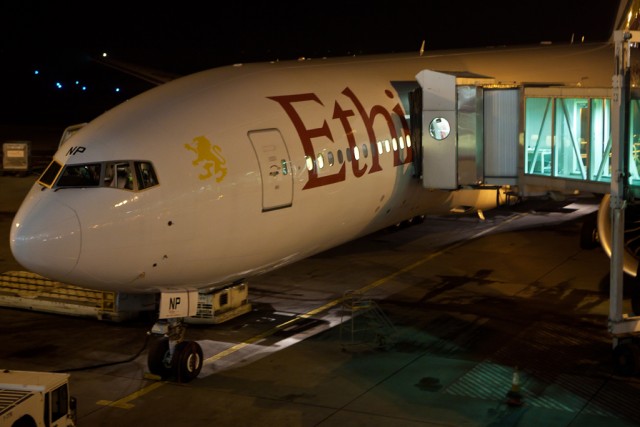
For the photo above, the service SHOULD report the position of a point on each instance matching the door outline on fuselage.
(275, 168)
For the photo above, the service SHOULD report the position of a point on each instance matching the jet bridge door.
(273, 158)
(439, 130)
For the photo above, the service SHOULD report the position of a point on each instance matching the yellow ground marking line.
(124, 402)
(362, 290)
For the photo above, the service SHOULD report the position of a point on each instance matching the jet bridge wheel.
(631, 254)
(589, 232)
(626, 358)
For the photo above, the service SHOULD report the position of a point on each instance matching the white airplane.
(216, 177)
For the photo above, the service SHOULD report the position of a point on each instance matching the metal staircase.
(363, 322)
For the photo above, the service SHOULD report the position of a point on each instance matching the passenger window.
(309, 163)
(284, 167)
(330, 157)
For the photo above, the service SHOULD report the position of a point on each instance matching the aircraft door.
(275, 168)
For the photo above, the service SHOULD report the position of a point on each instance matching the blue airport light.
(36, 72)
(59, 85)
(117, 89)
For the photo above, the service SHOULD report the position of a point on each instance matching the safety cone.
(514, 397)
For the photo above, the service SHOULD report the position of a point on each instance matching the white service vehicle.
(34, 399)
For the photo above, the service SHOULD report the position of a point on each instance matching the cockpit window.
(124, 174)
(146, 175)
(50, 174)
(80, 176)
(118, 175)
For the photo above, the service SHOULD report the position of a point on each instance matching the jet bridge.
(471, 131)
(455, 112)
(474, 131)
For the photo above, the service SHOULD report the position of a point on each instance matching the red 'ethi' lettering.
(343, 115)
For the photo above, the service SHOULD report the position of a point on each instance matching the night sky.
(60, 40)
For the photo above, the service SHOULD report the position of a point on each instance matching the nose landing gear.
(170, 356)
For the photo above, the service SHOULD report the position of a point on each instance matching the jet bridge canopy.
(462, 141)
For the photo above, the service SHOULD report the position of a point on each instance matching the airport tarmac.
(469, 303)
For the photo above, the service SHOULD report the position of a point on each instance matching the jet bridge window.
(439, 128)
(568, 138)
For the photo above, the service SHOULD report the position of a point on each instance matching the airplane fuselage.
(255, 166)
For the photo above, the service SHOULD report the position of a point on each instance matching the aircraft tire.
(626, 359)
(188, 360)
(635, 296)
(589, 232)
(157, 357)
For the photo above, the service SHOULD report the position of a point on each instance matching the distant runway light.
(59, 85)
(117, 89)
(104, 54)
(36, 72)
(84, 88)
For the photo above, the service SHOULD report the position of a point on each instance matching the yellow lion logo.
(210, 155)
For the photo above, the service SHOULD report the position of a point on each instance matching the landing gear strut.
(170, 356)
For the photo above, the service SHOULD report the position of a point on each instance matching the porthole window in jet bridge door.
(439, 128)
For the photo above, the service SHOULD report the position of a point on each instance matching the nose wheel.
(171, 357)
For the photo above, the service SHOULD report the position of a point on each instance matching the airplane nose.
(46, 239)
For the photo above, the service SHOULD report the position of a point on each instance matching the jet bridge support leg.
(624, 329)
